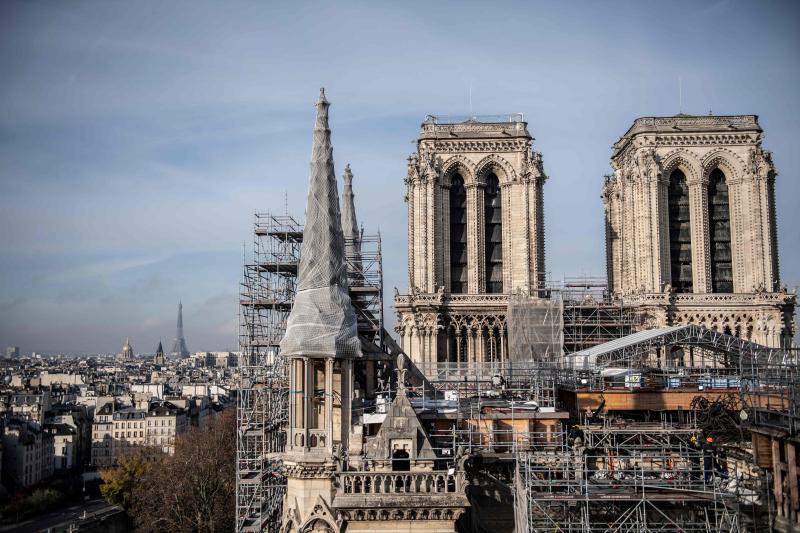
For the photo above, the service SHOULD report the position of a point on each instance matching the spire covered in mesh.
(322, 322)
(349, 222)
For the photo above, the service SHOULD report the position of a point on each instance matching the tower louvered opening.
(680, 236)
(458, 236)
(719, 227)
(493, 217)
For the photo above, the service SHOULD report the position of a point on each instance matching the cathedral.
(690, 239)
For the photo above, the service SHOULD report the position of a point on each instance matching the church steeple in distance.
(179, 348)
(159, 358)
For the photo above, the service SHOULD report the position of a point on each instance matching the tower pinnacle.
(349, 221)
(322, 322)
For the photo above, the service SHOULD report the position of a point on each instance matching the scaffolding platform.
(633, 478)
(266, 297)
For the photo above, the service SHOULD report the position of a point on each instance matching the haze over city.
(134, 149)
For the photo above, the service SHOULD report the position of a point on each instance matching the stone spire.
(352, 236)
(322, 322)
(159, 357)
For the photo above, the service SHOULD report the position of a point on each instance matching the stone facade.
(691, 232)
(27, 452)
(475, 235)
(118, 430)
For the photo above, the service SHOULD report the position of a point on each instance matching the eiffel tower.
(179, 348)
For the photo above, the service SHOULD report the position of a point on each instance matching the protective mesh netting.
(349, 220)
(322, 322)
(535, 328)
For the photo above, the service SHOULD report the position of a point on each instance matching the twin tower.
(691, 233)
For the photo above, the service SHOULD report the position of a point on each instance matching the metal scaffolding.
(591, 316)
(267, 293)
(644, 477)
(489, 408)
(365, 278)
(535, 328)
(773, 392)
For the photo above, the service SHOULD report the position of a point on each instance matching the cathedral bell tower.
(474, 191)
(320, 345)
(691, 229)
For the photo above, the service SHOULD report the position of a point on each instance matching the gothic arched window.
(458, 235)
(680, 235)
(493, 236)
(719, 228)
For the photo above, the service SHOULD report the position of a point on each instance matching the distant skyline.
(137, 139)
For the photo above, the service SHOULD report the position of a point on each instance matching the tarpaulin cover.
(322, 322)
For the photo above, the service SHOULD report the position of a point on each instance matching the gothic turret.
(349, 221)
(159, 358)
(320, 344)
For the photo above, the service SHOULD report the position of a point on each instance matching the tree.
(43, 498)
(193, 490)
(120, 481)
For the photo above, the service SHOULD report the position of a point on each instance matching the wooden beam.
(777, 474)
(791, 461)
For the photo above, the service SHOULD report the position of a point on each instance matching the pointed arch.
(684, 160)
(497, 164)
(725, 160)
(321, 515)
(457, 164)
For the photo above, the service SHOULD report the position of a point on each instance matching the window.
(719, 228)
(680, 237)
(493, 237)
(458, 235)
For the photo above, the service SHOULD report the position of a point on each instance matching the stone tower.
(691, 232)
(320, 345)
(159, 357)
(475, 235)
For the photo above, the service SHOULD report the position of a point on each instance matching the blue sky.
(138, 138)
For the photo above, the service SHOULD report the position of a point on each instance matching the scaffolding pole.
(365, 280)
(266, 297)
